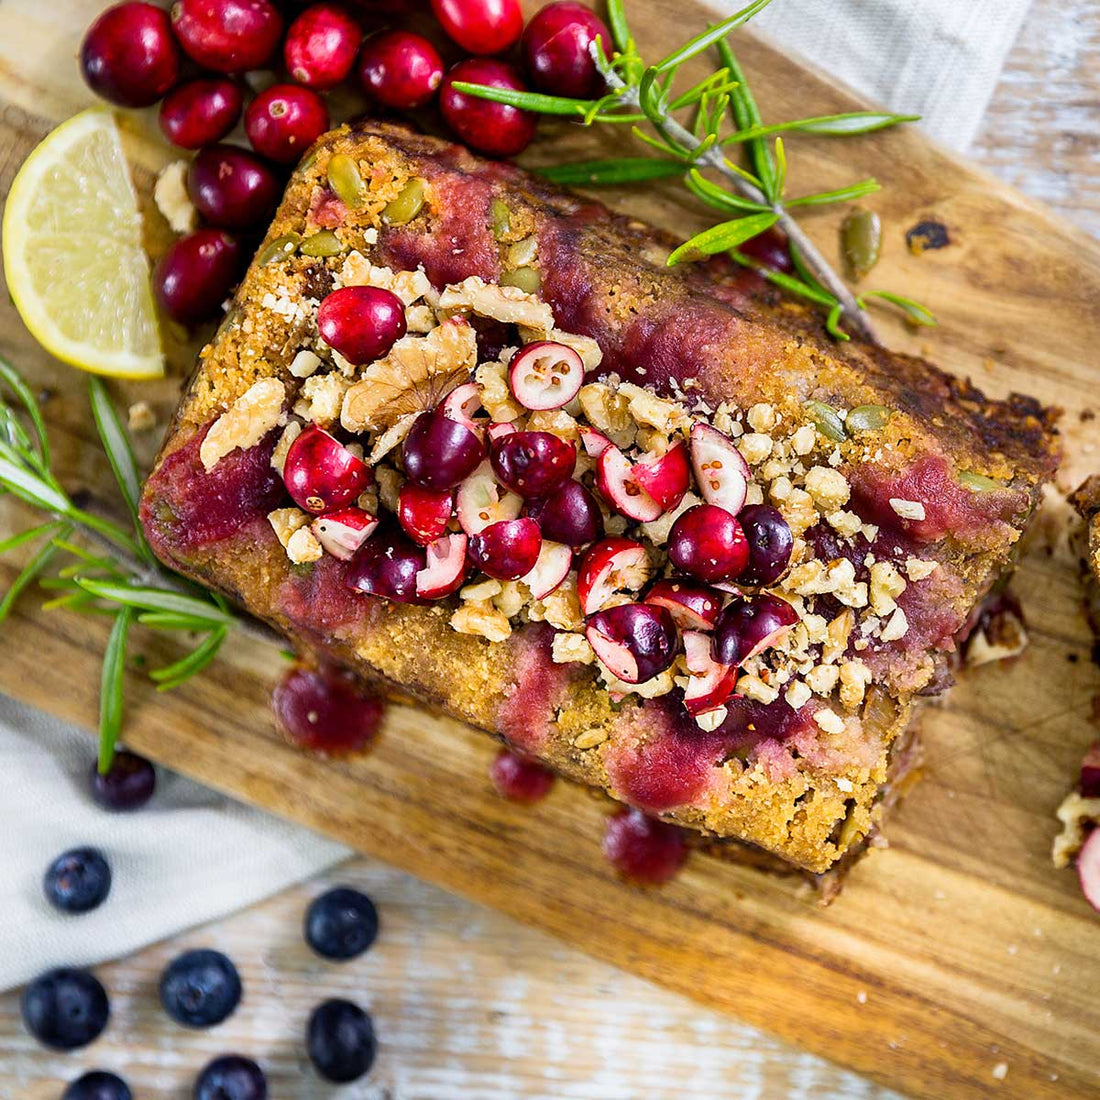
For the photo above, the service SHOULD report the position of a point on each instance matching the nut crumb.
(141, 417)
(908, 509)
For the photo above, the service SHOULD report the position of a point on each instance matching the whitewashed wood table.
(468, 1003)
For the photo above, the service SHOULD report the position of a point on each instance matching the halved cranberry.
(321, 45)
(321, 473)
(480, 26)
(643, 849)
(129, 55)
(228, 36)
(550, 570)
(361, 322)
(707, 543)
(424, 513)
(445, 567)
(770, 248)
(461, 404)
(232, 188)
(545, 375)
(711, 682)
(594, 442)
(557, 48)
(343, 531)
(519, 779)
(533, 464)
(1088, 869)
(570, 515)
(507, 549)
(720, 470)
(747, 627)
(770, 541)
(386, 566)
(284, 121)
(609, 567)
(495, 129)
(440, 452)
(635, 641)
(692, 606)
(665, 478)
(615, 480)
(482, 500)
(195, 276)
(400, 69)
(1090, 772)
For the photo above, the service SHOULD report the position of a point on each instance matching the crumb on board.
(140, 417)
(999, 1071)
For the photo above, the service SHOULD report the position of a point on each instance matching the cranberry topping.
(557, 49)
(231, 188)
(615, 478)
(424, 513)
(520, 779)
(326, 711)
(201, 112)
(707, 543)
(194, 277)
(634, 641)
(533, 464)
(228, 36)
(749, 626)
(361, 322)
(321, 473)
(496, 129)
(666, 478)
(1090, 772)
(643, 850)
(609, 567)
(284, 121)
(692, 606)
(545, 375)
(386, 566)
(770, 543)
(445, 568)
(440, 452)
(400, 69)
(321, 45)
(570, 515)
(480, 26)
(129, 55)
(507, 549)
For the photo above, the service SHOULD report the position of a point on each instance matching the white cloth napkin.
(193, 855)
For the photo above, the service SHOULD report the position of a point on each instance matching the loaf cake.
(758, 560)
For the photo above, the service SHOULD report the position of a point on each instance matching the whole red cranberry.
(481, 26)
(770, 248)
(707, 543)
(231, 187)
(520, 779)
(320, 46)
(557, 50)
(283, 122)
(494, 128)
(400, 69)
(228, 36)
(201, 112)
(321, 474)
(195, 275)
(361, 322)
(129, 55)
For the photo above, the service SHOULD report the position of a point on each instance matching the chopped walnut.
(710, 720)
(389, 483)
(555, 421)
(916, 569)
(886, 585)
(829, 720)
(753, 493)
(571, 647)
(896, 627)
(321, 398)
(246, 422)
(752, 687)
(804, 440)
(761, 418)
(496, 397)
(141, 417)
(561, 608)
(837, 635)
(409, 286)
(855, 677)
(822, 679)
(302, 546)
(481, 590)
(907, 509)
(172, 200)
(507, 304)
(590, 738)
(828, 487)
(510, 599)
(1074, 813)
(285, 521)
(420, 319)
(391, 437)
(278, 456)
(483, 619)
(845, 524)
(754, 447)
(657, 531)
(609, 412)
(649, 409)
(797, 695)
(660, 685)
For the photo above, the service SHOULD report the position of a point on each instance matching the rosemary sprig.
(121, 578)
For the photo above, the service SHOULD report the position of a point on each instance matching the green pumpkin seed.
(868, 418)
(324, 243)
(502, 218)
(978, 483)
(279, 248)
(345, 180)
(861, 241)
(827, 420)
(407, 204)
(526, 278)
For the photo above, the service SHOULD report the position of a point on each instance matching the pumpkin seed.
(861, 241)
(827, 420)
(407, 204)
(526, 278)
(323, 243)
(279, 248)
(345, 180)
(978, 483)
(868, 418)
(502, 218)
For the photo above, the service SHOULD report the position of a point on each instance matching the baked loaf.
(904, 489)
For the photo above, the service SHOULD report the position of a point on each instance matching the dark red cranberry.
(232, 188)
(481, 26)
(520, 779)
(643, 849)
(440, 452)
(400, 69)
(326, 711)
(284, 121)
(707, 543)
(424, 513)
(362, 323)
(386, 566)
(571, 515)
(507, 549)
(1090, 772)
(194, 277)
(749, 626)
(770, 248)
(126, 785)
(321, 45)
(228, 36)
(129, 55)
(321, 473)
(493, 128)
(557, 50)
(201, 112)
(636, 641)
(533, 464)
(770, 541)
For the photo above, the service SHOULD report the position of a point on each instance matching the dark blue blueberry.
(65, 1008)
(341, 923)
(200, 988)
(98, 1085)
(340, 1041)
(78, 880)
(231, 1077)
(127, 785)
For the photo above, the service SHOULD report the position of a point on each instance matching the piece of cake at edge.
(900, 493)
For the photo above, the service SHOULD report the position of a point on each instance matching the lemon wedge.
(73, 257)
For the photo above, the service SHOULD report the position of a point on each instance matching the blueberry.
(231, 1077)
(200, 988)
(65, 1008)
(127, 785)
(78, 880)
(98, 1085)
(341, 923)
(340, 1041)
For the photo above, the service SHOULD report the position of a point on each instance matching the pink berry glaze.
(643, 850)
(539, 687)
(326, 711)
(520, 779)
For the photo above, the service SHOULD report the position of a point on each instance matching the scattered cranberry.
(482, 500)
(667, 478)
(609, 567)
(642, 849)
(557, 50)
(400, 69)
(749, 626)
(770, 248)
(533, 464)
(326, 711)
(343, 531)
(440, 452)
(321, 473)
(692, 606)
(770, 542)
(711, 683)
(554, 562)
(362, 323)
(321, 45)
(720, 471)
(493, 128)
(284, 121)
(201, 112)
(387, 567)
(570, 515)
(445, 567)
(129, 55)
(636, 641)
(519, 779)
(481, 26)
(232, 188)
(195, 275)
(424, 513)
(507, 549)
(707, 543)
(126, 785)
(228, 36)
(616, 482)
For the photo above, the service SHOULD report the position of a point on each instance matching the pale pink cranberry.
(707, 543)
(634, 641)
(642, 849)
(667, 478)
(325, 711)
(228, 36)
(557, 49)
(507, 549)
(341, 532)
(493, 128)
(284, 121)
(615, 478)
(321, 473)
(321, 45)
(720, 471)
(1088, 869)
(550, 570)
(201, 112)
(232, 188)
(440, 452)
(445, 567)
(482, 500)
(195, 276)
(748, 626)
(424, 513)
(362, 323)
(710, 682)
(481, 26)
(545, 375)
(519, 779)
(611, 566)
(400, 69)
(129, 55)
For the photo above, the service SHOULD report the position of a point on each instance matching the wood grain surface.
(957, 951)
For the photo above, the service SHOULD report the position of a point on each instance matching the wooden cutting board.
(956, 956)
